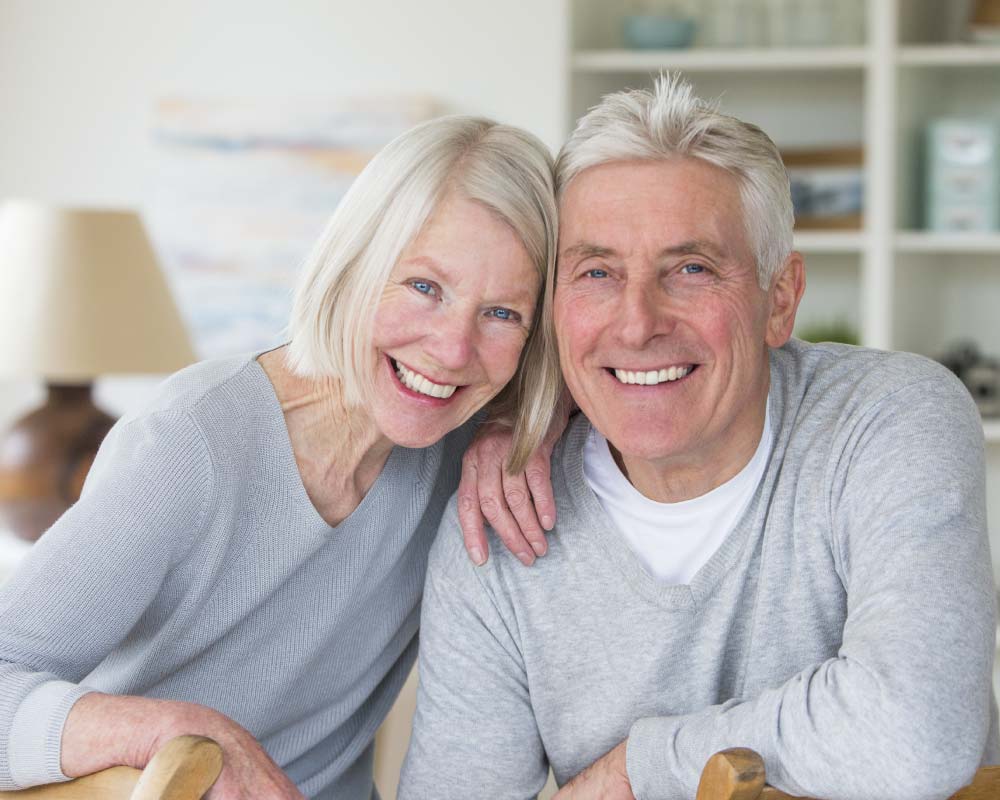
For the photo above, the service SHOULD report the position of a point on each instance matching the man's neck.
(678, 478)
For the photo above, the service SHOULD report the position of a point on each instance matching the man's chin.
(640, 443)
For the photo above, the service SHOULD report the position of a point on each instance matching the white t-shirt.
(673, 540)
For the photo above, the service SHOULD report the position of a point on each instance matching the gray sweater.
(844, 629)
(195, 567)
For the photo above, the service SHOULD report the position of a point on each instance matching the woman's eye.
(597, 272)
(692, 269)
(504, 314)
(424, 287)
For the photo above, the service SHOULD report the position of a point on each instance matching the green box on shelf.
(962, 191)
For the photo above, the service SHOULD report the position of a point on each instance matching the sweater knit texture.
(844, 629)
(195, 567)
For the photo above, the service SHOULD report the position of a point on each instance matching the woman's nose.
(453, 341)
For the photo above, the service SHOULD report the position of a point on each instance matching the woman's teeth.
(652, 377)
(418, 383)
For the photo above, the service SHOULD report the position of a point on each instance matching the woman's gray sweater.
(196, 568)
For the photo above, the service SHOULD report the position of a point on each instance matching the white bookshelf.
(991, 431)
(818, 242)
(720, 60)
(945, 243)
(948, 55)
(902, 287)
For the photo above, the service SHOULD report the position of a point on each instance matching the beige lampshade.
(82, 295)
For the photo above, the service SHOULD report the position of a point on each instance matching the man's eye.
(692, 269)
(424, 287)
(596, 273)
(504, 314)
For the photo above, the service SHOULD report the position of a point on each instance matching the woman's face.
(451, 323)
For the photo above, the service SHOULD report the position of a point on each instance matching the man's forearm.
(835, 731)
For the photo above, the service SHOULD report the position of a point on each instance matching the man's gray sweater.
(844, 629)
(196, 568)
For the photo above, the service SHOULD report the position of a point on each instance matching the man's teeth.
(418, 383)
(652, 377)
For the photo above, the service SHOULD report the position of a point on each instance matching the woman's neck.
(338, 449)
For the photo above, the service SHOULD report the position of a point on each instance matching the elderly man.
(760, 542)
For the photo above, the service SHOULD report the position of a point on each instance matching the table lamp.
(81, 296)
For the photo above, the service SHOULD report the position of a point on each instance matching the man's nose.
(644, 314)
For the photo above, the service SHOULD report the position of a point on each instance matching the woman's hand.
(104, 730)
(521, 507)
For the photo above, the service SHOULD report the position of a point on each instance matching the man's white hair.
(670, 122)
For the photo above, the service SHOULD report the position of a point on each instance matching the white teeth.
(419, 383)
(651, 377)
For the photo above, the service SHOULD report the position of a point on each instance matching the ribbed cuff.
(35, 744)
(648, 758)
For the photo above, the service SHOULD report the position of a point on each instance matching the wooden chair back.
(738, 774)
(183, 769)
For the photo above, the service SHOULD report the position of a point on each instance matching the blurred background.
(228, 130)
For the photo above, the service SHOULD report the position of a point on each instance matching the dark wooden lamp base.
(45, 457)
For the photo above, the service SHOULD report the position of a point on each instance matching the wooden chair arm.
(985, 786)
(183, 769)
(738, 774)
(735, 774)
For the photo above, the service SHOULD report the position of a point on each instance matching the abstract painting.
(240, 193)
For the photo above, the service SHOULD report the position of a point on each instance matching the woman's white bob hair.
(509, 172)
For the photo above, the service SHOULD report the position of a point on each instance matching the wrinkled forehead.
(665, 202)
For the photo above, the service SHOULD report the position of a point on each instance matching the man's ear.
(783, 298)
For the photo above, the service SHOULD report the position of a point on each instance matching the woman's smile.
(419, 386)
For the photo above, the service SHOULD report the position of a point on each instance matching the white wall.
(79, 80)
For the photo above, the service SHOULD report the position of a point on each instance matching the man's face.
(662, 326)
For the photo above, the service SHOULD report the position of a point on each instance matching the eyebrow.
(695, 246)
(589, 250)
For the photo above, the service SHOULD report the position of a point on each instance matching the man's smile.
(651, 377)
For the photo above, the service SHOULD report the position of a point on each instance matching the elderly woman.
(247, 559)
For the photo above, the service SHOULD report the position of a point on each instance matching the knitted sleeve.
(89, 579)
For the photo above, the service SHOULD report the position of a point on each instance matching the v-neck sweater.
(195, 567)
(844, 628)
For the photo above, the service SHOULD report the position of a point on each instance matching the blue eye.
(503, 313)
(424, 287)
(596, 273)
(692, 269)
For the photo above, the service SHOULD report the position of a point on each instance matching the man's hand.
(519, 507)
(605, 779)
(105, 730)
